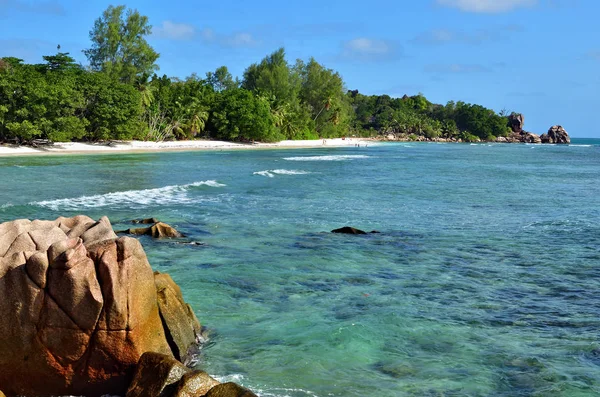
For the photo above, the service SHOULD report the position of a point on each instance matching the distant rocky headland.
(555, 135)
(82, 313)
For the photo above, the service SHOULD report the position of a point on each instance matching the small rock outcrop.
(80, 306)
(157, 230)
(516, 122)
(352, 230)
(556, 134)
(348, 230)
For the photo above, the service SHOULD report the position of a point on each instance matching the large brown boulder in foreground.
(79, 307)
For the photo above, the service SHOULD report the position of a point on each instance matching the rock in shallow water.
(79, 308)
(348, 230)
(158, 230)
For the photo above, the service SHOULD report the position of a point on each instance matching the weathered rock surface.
(517, 122)
(229, 389)
(79, 307)
(156, 375)
(528, 137)
(182, 326)
(158, 230)
(556, 134)
(159, 375)
(194, 384)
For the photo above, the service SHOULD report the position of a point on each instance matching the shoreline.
(128, 147)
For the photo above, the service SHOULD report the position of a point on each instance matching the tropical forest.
(120, 95)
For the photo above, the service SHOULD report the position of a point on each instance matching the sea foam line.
(176, 194)
(272, 173)
(268, 392)
(327, 158)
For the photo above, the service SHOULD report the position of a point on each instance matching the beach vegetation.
(119, 96)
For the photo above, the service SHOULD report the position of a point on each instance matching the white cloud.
(367, 46)
(175, 31)
(240, 40)
(369, 49)
(181, 31)
(487, 6)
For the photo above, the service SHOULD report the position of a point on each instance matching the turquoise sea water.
(484, 281)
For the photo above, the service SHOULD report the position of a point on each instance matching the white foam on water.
(237, 378)
(6, 205)
(327, 158)
(272, 173)
(580, 145)
(176, 194)
(284, 392)
(264, 173)
(268, 391)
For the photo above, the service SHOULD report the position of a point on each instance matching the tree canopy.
(120, 96)
(119, 47)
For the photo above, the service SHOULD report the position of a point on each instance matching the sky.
(537, 57)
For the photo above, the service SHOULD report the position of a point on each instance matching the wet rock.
(229, 389)
(156, 375)
(183, 328)
(193, 384)
(348, 230)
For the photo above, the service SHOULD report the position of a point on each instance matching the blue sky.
(538, 57)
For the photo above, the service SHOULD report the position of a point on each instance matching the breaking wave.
(327, 158)
(177, 194)
(272, 173)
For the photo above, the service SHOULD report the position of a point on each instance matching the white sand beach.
(141, 146)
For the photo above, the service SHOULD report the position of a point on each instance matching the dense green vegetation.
(120, 96)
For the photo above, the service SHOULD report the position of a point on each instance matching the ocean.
(483, 281)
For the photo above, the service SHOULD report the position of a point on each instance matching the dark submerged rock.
(147, 221)
(348, 230)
